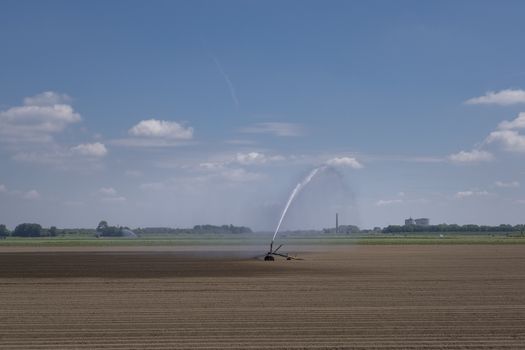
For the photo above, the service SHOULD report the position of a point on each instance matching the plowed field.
(361, 297)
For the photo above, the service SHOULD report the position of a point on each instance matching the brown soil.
(364, 297)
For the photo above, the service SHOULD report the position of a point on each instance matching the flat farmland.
(338, 297)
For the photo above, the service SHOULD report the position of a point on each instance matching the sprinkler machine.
(271, 253)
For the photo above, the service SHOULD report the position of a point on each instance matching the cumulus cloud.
(33, 194)
(38, 119)
(345, 162)
(465, 194)
(251, 158)
(511, 140)
(503, 98)
(47, 98)
(96, 149)
(153, 133)
(240, 158)
(275, 128)
(510, 184)
(384, 202)
(28, 131)
(473, 156)
(153, 128)
(109, 194)
(107, 191)
(518, 123)
(256, 158)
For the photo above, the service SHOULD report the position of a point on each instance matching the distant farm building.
(422, 221)
(418, 222)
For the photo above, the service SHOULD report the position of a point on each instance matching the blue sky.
(179, 113)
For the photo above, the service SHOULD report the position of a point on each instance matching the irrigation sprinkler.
(271, 253)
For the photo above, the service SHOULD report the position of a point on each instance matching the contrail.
(228, 81)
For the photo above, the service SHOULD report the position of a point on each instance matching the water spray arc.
(296, 190)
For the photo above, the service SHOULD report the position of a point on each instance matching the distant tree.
(27, 230)
(53, 231)
(102, 226)
(104, 229)
(4, 232)
(112, 231)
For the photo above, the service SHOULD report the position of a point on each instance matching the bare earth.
(362, 297)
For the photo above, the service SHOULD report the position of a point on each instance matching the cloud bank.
(345, 162)
(503, 98)
(473, 156)
(37, 119)
(96, 149)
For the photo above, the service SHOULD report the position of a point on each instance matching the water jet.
(270, 255)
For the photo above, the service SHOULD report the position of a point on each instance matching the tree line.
(105, 230)
(471, 228)
(28, 230)
(197, 229)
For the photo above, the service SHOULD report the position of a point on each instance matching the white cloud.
(36, 121)
(96, 149)
(256, 158)
(28, 132)
(228, 160)
(473, 156)
(345, 161)
(275, 128)
(384, 202)
(503, 98)
(465, 194)
(510, 184)
(510, 140)
(33, 194)
(153, 128)
(518, 123)
(107, 191)
(47, 98)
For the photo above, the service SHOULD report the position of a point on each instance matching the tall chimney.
(336, 222)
